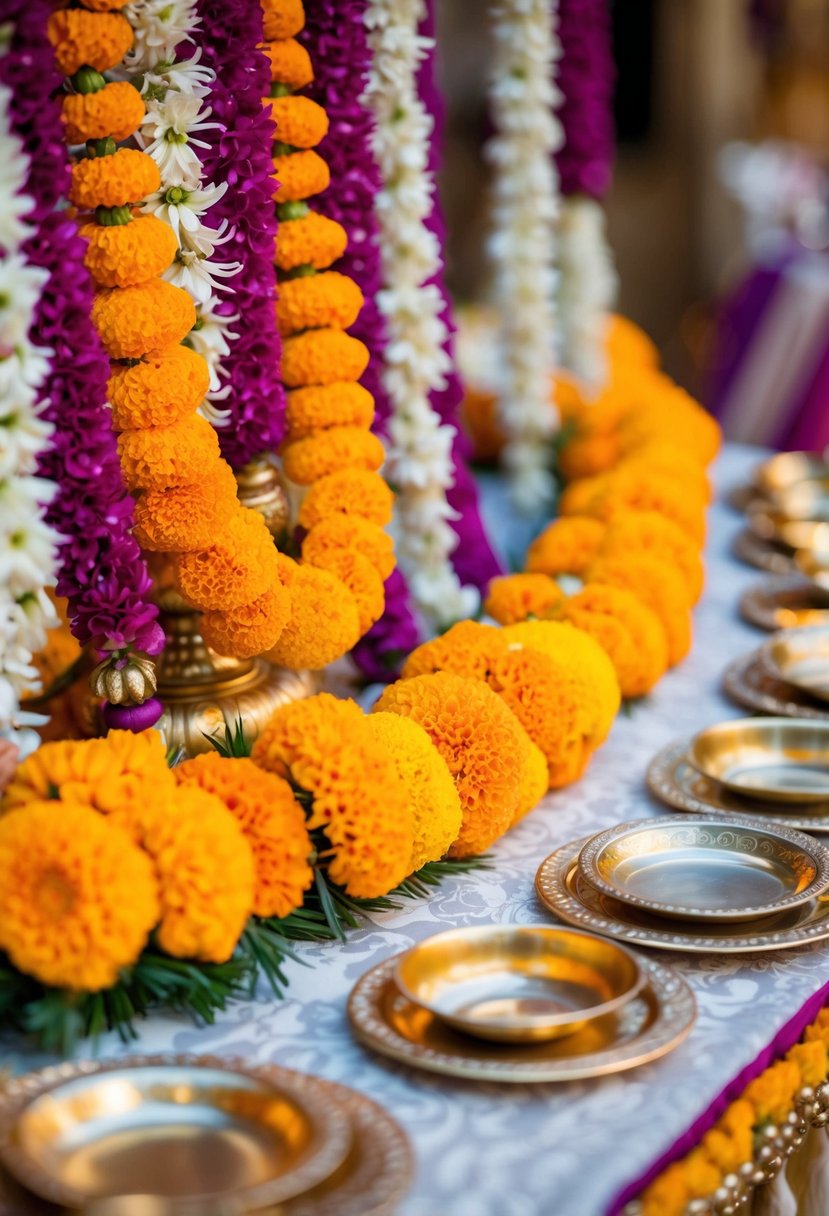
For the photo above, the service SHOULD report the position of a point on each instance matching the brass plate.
(790, 534)
(800, 657)
(786, 469)
(745, 498)
(806, 499)
(689, 868)
(778, 759)
(190, 1128)
(649, 1026)
(785, 603)
(370, 1182)
(747, 682)
(518, 983)
(563, 890)
(763, 554)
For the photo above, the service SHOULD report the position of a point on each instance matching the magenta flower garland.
(102, 573)
(585, 75)
(240, 154)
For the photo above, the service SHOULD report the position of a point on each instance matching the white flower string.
(419, 464)
(522, 243)
(587, 290)
(28, 546)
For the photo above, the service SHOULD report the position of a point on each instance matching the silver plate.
(565, 892)
(747, 682)
(800, 657)
(789, 534)
(785, 603)
(763, 554)
(690, 868)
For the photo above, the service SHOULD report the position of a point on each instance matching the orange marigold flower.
(164, 387)
(103, 6)
(127, 254)
(314, 240)
(282, 18)
(131, 321)
(653, 533)
(467, 649)
(615, 640)
(300, 122)
(628, 489)
(161, 457)
(117, 110)
(668, 1194)
(318, 300)
(659, 586)
(677, 417)
(325, 747)
(186, 518)
(515, 597)
(626, 342)
(127, 176)
(324, 622)
(772, 1093)
(98, 39)
(273, 823)
(322, 356)
(587, 455)
(252, 629)
(290, 63)
(346, 532)
(701, 1174)
(349, 492)
(667, 457)
(321, 406)
(300, 175)
(78, 900)
(481, 742)
(344, 447)
(818, 1031)
(535, 780)
(811, 1061)
(580, 495)
(361, 579)
(567, 546)
(640, 623)
(237, 568)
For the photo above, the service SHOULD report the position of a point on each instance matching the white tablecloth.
(488, 1150)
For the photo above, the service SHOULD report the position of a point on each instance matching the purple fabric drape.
(585, 76)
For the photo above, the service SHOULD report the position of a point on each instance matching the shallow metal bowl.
(808, 535)
(779, 759)
(787, 469)
(200, 1131)
(801, 657)
(518, 983)
(803, 500)
(709, 869)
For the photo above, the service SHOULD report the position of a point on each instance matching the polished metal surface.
(697, 869)
(763, 554)
(787, 469)
(649, 1026)
(800, 657)
(518, 983)
(805, 499)
(785, 603)
(779, 759)
(793, 534)
(747, 682)
(196, 1130)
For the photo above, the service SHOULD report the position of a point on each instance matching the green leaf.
(232, 743)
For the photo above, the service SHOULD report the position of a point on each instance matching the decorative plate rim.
(737, 689)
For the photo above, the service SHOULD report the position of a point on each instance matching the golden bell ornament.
(124, 681)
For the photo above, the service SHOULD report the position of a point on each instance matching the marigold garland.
(517, 597)
(346, 447)
(186, 518)
(640, 623)
(322, 406)
(350, 492)
(660, 587)
(80, 38)
(314, 301)
(128, 254)
(313, 240)
(235, 570)
(290, 63)
(300, 175)
(165, 457)
(115, 112)
(339, 533)
(324, 621)
(164, 387)
(124, 178)
(566, 546)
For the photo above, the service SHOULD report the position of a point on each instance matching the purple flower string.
(240, 154)
(585, 76)
(102, 573)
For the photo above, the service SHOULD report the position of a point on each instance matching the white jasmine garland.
(587, 290)
(419, 464)
(522, 243)
(159, 25)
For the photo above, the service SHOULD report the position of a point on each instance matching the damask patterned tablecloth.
(566, 1150)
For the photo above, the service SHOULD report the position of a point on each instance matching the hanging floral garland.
(522, 246)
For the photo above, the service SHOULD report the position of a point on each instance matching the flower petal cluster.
(345, 532)
(128, 254)
(164, 387)
(132, 321)
(322, 406)
(234, 571)
(165, 457)
(566, 546)
(116, 110)
(126, 177)
(350, 492)
(186, 518)
(100, 40)
(346, 447)
(324, 622)
(517, 597)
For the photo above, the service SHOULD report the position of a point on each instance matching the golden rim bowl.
(800, 657)
(705, 869)
(806, 500)
(518, 983)
(807, 535)
(787, 469)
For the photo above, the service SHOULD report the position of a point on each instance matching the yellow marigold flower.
(314, 240)
(325, 747)
(128, 254)
(701, 1174)
(300, 175)
(659, 586)
(587, 455)
(361, 579)
(324, 623)
(481, 742)
(652, 533)
(344, 447)
(317, 300)
(467, 649)
(98, 39)
(252, 629)
(561, 641)
(668, 1194)
(515, 597)
(640, 623)
(811, 1060)
(323, 406)
(615, 641)
(350, 492)
(342, 533)
(566, 546)
(160, 457)
(433, 799)
(282, 18)
(819, 1029)
(300, 122)
(78, 899)
(165, 386)
(132, 321)
(579, 497)
(772, 1093)
(290, 63)
(535, 780)
(205, 872)
(322, 356)
(127, 176)
(723, 1150)
(738, 1119)
(626, 342)
(273, 823)
(238, 567)
(677, 417)
(186, 518)
(667, 457)
(628, 489)
(117, 110)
